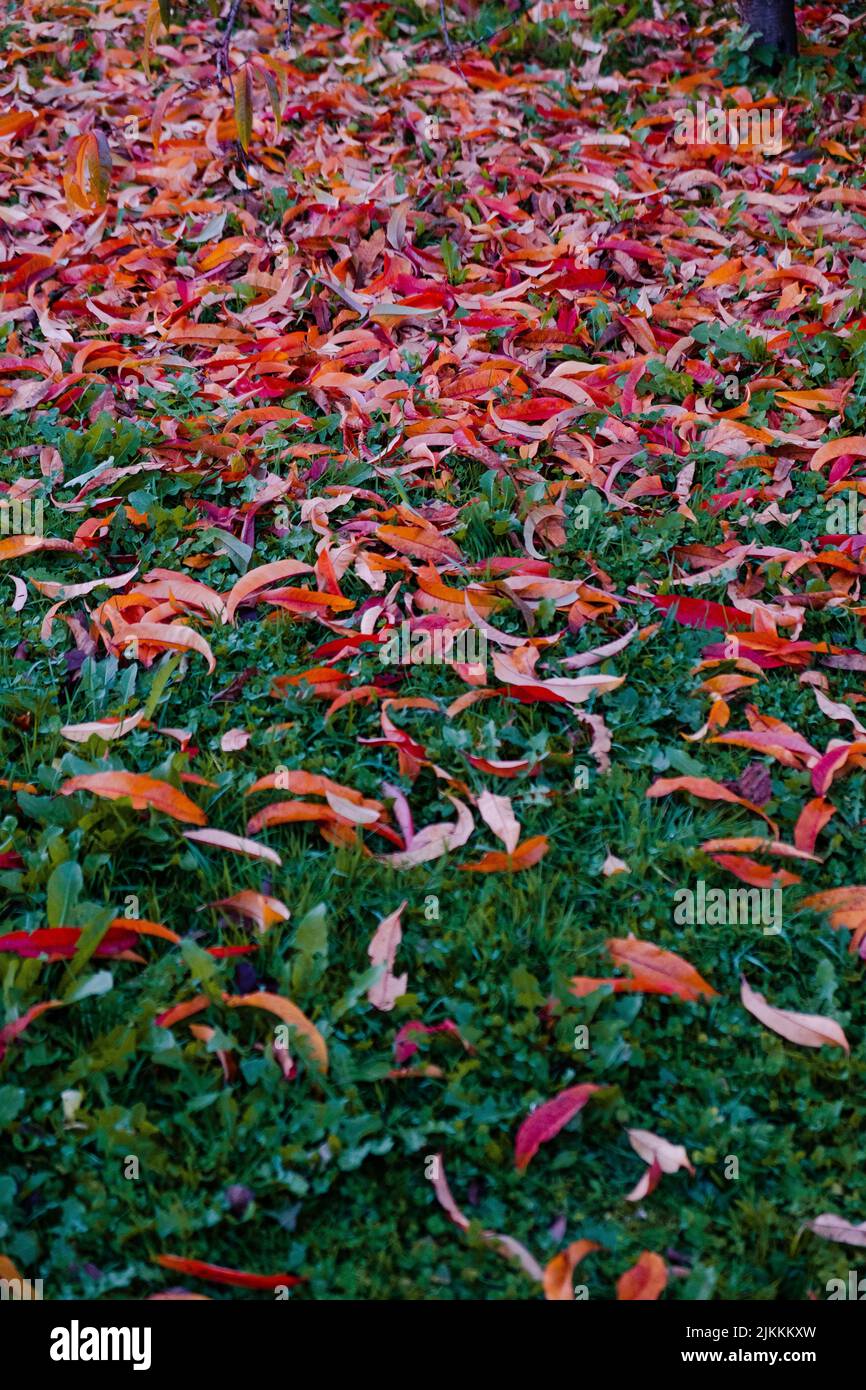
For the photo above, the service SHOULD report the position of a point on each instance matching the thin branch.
(223, 65)
(449, 47)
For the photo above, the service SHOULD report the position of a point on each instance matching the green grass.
(336, 1168)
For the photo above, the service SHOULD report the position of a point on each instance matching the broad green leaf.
(64, 890)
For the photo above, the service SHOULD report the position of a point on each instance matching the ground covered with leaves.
(369, 972)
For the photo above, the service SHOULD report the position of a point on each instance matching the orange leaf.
(755, 874)
(421, 542)
(178, 1012)
(497, 862)
(855, 445)
(143, 927)
(658, 971)
(174, 636)
(582, 985)
(10, 1031)
(13, 546)
(645, 1280)
(141, 790)
(557, 1275)
(748, 844)
(310, 784)
(851, 898)
(98, 157)
(289, 1013)
(707, 790)
(256, 907)
(259, 578)
(289, 813)
(152, 24)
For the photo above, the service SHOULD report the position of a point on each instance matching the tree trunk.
(774, 21)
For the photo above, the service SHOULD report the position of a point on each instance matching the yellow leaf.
(242, 84)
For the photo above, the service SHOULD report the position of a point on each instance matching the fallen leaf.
(219, 1274)
(221, 839)
(831, 1227)
(557, 1276)
(645, 1281)
(290, 1014)
(259, 908)
(658, 971)
(234, 740)
(548, 1119)
(141, 791)
(382, 950)
(498, 813)
(809, 1030)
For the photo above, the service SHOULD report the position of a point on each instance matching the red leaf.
(219, 1274)
(700, 612)
(546, 1122)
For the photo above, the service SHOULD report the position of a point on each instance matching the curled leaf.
(290, 1014)
(558, 1285)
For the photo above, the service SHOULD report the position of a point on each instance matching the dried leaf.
(809, 1030)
